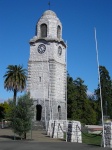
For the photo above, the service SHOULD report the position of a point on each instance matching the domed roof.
(49, 12)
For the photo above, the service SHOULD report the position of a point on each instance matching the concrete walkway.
(40, 141)
(39, 136)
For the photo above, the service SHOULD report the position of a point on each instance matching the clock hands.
(41, 48)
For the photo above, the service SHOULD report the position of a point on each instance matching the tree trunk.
(25, 135)
(15, 94)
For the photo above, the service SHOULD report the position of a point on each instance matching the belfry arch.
(43, 30)
(58, 32)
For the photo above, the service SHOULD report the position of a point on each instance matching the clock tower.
(47, 69)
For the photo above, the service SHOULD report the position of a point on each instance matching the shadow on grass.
(94, 145)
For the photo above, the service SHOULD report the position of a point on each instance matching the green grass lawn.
(91, 139)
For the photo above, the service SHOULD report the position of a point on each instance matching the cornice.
(35, 40)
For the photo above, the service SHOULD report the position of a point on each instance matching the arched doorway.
(38, 112)
(59, 112)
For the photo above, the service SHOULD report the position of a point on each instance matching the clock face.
(41, 48)
(59, 50)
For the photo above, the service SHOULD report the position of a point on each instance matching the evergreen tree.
(4, 107)
(21, 115)
(70, 95)
(79, 106)
(106, 91)
(79, 103)
(95, 107)
(1, 112)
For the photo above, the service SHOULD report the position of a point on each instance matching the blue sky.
(79, 17)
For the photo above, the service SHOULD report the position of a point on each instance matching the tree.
(70, 95)
(79, 103)
(4, 107)
(80, 107)
(1, 112)
(15, 79)
(21, 115)
(94, 105)
(106, 91)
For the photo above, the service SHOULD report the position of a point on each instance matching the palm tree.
(15, 79)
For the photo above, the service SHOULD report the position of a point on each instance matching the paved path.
(40, 142)
(40, 136)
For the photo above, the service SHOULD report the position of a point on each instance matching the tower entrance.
(38, 112)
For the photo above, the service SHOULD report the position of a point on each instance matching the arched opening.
(59, 112)
(38, 112)
(58, 32)
(43, 30)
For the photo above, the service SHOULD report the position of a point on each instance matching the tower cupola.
(49, 26)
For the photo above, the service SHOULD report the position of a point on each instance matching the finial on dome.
(49, 4)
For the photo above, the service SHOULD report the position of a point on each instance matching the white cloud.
(90, 93)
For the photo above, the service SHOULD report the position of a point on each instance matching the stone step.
(38, 125)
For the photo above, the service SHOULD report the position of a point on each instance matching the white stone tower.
(47, 69)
